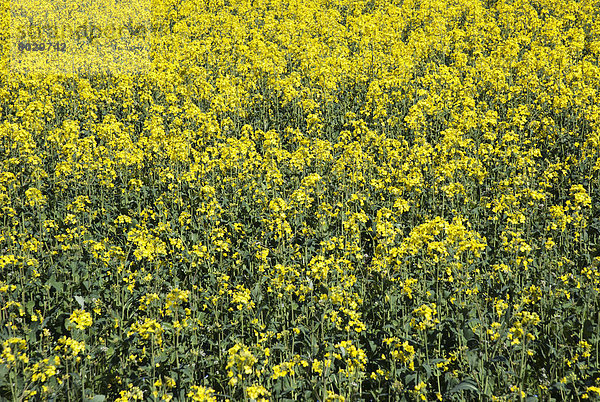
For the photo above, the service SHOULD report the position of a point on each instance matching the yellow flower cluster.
(239, 363)
(525, 322)
(13, 350)
(258, 393)
(201, 394)
(71, 347)
(401, 351)
(148, 329)
(354, 357)
(175, 298)
(81, 318)
(424, 317)
(319, 199)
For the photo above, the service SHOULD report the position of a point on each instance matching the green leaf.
(465, 385)
(29, 306)
(56, 285)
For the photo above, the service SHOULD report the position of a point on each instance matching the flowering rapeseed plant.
(343, 200)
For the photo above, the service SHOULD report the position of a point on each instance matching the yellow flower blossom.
(81, 318)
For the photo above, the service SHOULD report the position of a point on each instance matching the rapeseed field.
(332, 200)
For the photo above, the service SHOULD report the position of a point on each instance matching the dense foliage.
(310, 200)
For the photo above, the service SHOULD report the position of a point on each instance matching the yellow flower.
(279, 371)
(425, 317)
(71, 346)
(201, 394)
(148, 328)
(401, 351)
(175, 298)
(593, 389)
(14, 349)
(43, 370)
(35, 197)
(81, 318)
(581, 196)
(170, 382)
(240, 361)
(242, 297)
(317, 367)
(256, 391)
(419, 390)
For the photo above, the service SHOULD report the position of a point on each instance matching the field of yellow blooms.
(332, 200)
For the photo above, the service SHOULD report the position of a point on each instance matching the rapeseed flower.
(81, 318)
